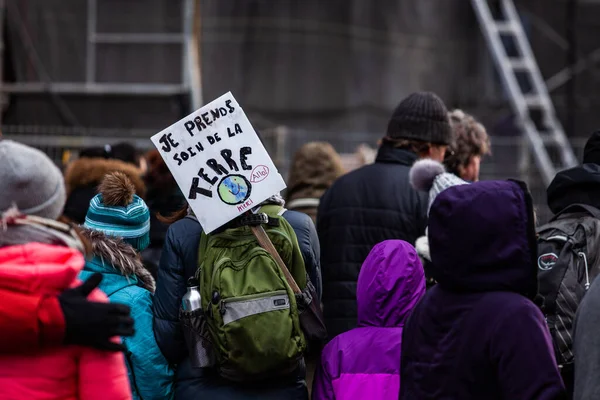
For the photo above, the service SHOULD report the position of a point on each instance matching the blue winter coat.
(126, 281)
(178, 262)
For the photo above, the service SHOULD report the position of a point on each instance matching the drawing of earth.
(234, 189)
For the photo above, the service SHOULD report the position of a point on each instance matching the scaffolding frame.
(190, 64)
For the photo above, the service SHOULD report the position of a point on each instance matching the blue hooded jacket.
(477, 334)
(126, 281)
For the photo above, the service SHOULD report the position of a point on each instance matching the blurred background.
(79, 73)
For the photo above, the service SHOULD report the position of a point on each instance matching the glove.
(93, 324)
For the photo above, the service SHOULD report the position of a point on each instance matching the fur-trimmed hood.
(120, 255)
(90, 171)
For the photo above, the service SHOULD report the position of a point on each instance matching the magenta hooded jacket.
(363, 363)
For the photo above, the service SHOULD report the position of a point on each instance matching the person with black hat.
(581, 185)
(568, 267)
(377, 203)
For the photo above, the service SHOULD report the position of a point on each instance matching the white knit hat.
(430, 175)
(30, 181)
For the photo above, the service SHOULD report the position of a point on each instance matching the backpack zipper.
(222, 261)
(254, 296)
(587, 274)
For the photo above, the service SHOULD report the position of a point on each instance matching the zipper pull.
(222, 308)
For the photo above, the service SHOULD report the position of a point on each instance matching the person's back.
(179, 262)
(68, 372)
(377, 203)
(477, 334)
(117, 226)
(581, 186)
(363, 362)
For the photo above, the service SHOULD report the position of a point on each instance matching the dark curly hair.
(470, 140)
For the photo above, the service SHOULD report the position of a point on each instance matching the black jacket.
(163, 201)
(361, 209)
(578, 185)
(178, 262)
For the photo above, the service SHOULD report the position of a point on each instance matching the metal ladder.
(549, 135)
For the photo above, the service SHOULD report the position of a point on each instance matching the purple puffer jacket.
(364, 363)
(476, 334)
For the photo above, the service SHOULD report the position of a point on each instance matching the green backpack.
(250, 308)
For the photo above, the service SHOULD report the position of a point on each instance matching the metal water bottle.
(191, 298)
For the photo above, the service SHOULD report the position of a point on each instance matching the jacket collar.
(391, 155)
(113, 255)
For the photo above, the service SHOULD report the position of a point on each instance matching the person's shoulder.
(509, 302)
(297, 219)
(184, 228)
(511, 310)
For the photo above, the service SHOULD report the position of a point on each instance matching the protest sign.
(218, 162)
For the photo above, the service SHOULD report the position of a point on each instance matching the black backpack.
(566, 249)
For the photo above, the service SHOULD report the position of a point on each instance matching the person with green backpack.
(250, 306)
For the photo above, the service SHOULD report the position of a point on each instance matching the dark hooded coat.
(578, 185)
(477, 334)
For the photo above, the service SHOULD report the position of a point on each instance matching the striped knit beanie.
(117, 211)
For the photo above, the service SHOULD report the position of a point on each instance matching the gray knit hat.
(30, 180)
(430, 175)
(421, 116)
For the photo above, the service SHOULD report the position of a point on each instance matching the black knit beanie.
(421, 116)
(591, 153)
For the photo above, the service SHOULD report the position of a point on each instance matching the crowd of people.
(432, 284)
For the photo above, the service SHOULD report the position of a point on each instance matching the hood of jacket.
(39, 268)
(114, 256)
(482, 238)
(315, 167)
(86, 172)
(390, 284)
(578, 185)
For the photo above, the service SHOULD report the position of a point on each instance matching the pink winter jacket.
(68, 372)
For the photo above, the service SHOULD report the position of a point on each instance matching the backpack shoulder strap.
(272, 209)
(296, 266)
(593, 211)
(265, 243)
(202, 248)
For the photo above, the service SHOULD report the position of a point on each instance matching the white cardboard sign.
(218, 162)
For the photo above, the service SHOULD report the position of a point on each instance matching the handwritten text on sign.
(218, 162)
